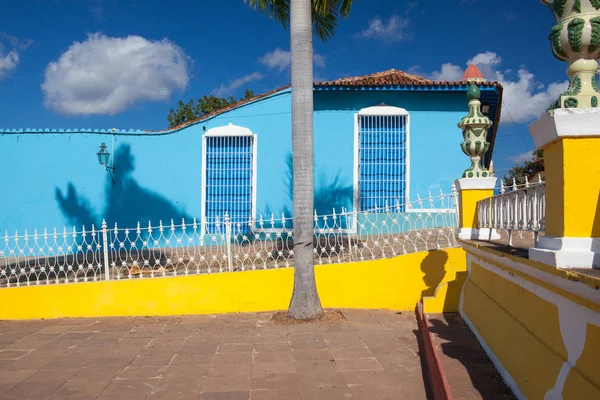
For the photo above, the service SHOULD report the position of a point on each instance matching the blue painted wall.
(53, 180)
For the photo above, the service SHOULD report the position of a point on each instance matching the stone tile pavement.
(371, 355)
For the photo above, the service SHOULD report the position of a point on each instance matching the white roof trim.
(229, 130)
(383, 110)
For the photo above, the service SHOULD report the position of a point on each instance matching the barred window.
(382, 158)
(229, 176)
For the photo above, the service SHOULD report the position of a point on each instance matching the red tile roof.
(385, 78)
(396, 77)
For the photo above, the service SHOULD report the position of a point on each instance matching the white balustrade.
(517, 208)
(218, 245)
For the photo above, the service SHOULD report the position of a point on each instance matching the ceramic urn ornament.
(576, 39)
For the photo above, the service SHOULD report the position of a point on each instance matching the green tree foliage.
(525, 169)
(192, 110)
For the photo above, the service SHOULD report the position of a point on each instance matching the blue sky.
(125, 63)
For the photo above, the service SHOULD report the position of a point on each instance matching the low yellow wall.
(397, 283)
(540, 324)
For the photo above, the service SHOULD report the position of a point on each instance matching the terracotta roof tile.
(395, 77)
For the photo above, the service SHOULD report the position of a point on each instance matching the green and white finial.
(475, 127)
(576, 39)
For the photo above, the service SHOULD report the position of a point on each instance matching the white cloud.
(225, 90)
(277, 58)
(319, 60)
(281, 59)
(10, 48)
(521, 158)
(393, 31)
(8, 62)
(449, 72)
(524, 97)
(106, 75)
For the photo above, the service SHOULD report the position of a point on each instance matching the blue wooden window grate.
(382, 162)
(229, 175)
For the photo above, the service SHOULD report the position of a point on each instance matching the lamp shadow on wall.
(126, 202)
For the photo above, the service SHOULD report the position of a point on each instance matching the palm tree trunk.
(305, 303)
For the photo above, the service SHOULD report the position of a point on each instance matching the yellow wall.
(468, 205)
(397, 283)
(517, 316)
(572, 185)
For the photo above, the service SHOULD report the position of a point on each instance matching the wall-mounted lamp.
(103, 158)
(485, 109)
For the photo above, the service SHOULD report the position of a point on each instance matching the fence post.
(228, 242)
(105, 249)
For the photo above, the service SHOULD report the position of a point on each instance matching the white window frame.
(227, 131)
(383, 111)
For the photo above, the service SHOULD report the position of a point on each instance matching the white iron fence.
(520, 208)
(188, 248)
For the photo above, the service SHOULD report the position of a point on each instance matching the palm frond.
(278, 10)
(324, 24)
(325, 13)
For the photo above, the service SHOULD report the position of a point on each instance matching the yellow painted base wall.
(467, 204)
(517, 316)
(573, 187)
(397, 283)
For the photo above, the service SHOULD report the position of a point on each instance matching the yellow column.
(470, 191)
(570, 139)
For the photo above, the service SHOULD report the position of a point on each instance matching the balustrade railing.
(520, 208)
(212, 246)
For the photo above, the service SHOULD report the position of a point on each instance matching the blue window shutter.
(382, 162)
(228, 180)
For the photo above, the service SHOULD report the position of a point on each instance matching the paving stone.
(303, 355)
(273, 368)
(229, 369)
(182, 384)
(97, 373)
(272, 346)
(344, 343)
(31, 390)
(275, 382)
(53, 374)
(193, 358)
(276, 394)
(358, 364)
(351, 352)
(245, 395)
(226, 384)
(15, 376)
(235, 348)
(327, 393)
(129, 387)
(272, 356)
(80, 389)
(153, 359)
(137, 372)
(316, 366)
(232, 358)
(191, 371)
(371, 392)
(174, 396)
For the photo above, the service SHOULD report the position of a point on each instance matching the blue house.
(379, 139)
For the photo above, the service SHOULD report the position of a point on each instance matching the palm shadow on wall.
(126, 202)
(330, 193)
